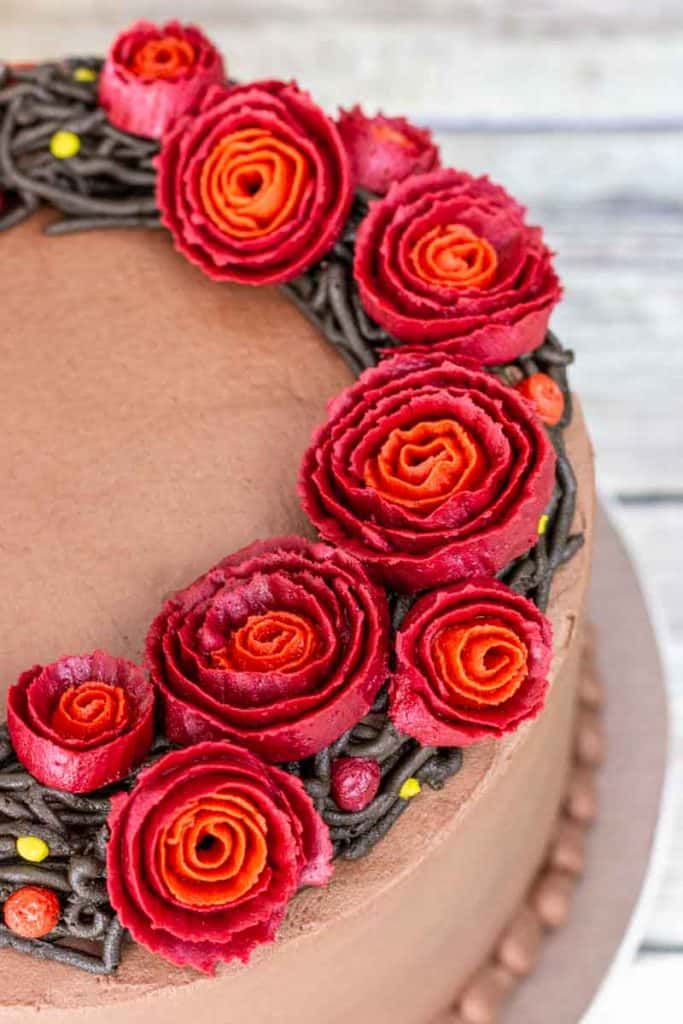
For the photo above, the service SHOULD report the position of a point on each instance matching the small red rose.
(256, 187)
(282, 646)
(428, 471)
(207, 851)
(472, 663)
(446, 261)
(155, 73)
(82, 722)
(384, 150)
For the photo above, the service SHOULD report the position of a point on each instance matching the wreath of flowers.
(301, 692)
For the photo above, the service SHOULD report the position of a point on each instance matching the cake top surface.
(152, 423)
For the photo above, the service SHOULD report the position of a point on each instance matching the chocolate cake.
(301, 723)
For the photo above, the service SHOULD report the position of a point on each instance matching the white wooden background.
(577, 106)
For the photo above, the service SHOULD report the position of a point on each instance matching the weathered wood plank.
(473, 60)
(653, 532)
(524, 16)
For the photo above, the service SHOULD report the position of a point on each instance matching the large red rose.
(282, 646)
(429, 471)
(155, 73)
(256, 187)
(446, 260)
(207, 851)
(82, 722)
(472, 662)
(384, 150)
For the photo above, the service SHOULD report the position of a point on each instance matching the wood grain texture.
(582, 102)
(437, 59)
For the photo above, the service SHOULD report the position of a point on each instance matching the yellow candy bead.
(85, 75)
(410, 788)
(543, 524)
(64, 145)
(32, 848)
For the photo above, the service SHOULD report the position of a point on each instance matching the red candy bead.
(355, 781)
(32, 912)
(546, 395)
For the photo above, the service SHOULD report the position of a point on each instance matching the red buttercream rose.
(472, 662)
(207, 851)
(256, 187)
(155, 73)
(282, 646)
(428, 471)
(384, 150)
(447, 261)
(82, 722)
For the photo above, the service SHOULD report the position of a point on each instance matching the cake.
(327, 393)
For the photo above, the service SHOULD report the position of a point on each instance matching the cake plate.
(578, 963)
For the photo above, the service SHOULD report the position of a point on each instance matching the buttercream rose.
(384, 150)
(282, 646)
(155, 73)
(447, 260)
(82, 722)
(472, 662)
(256, 187)
(207, 851)
(428, 471)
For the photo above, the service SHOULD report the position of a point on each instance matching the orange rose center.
(213, 852)
(546, 395)
(89, 709)
(423, 465)
(452, 256)
(483, 663)
(276, 641)
(163, 58)
(252, 182)
(385, 133)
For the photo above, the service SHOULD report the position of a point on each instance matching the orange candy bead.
(32, 912)
(546, 395)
